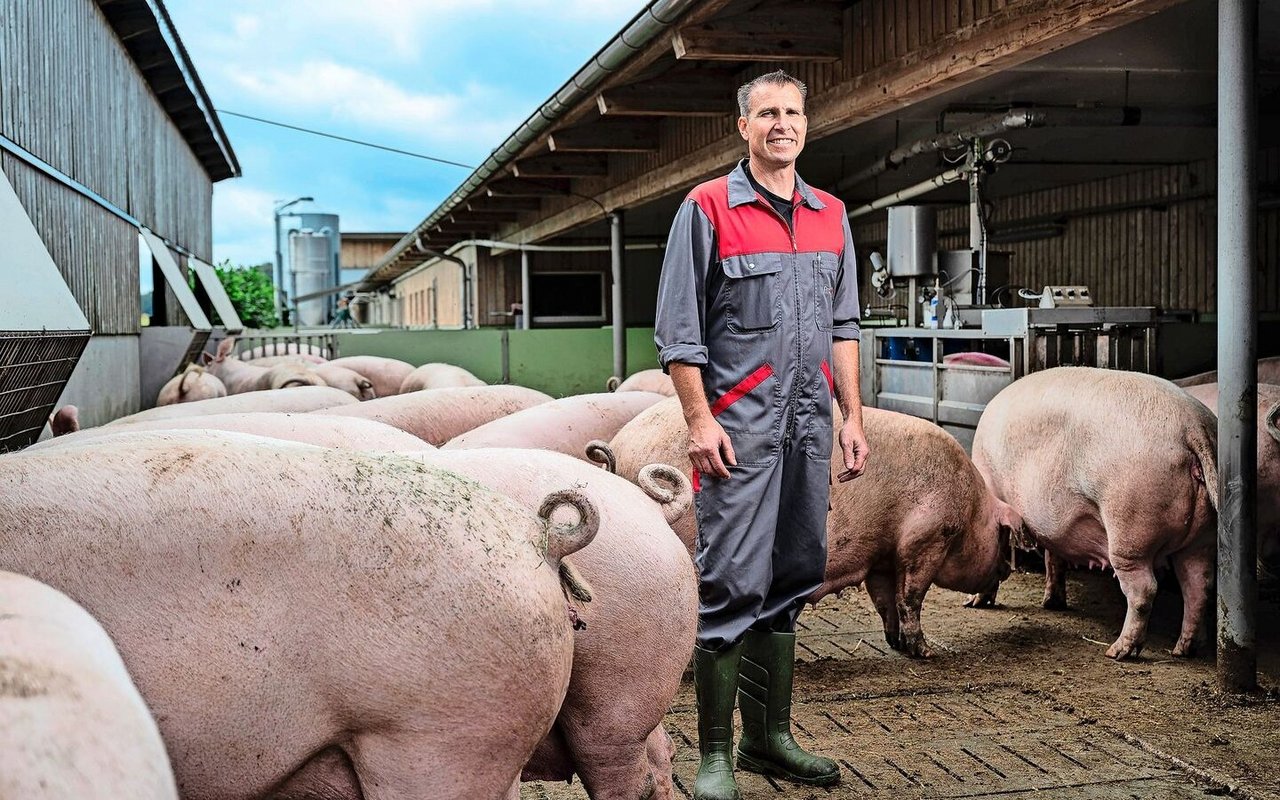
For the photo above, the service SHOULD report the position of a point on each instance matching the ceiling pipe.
(1021, 118)
(652, 20)
(903, 195)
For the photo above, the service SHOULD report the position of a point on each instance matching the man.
(758, 327)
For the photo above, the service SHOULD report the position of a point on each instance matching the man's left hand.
(853, 444)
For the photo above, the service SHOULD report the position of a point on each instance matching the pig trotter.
(600, 452)
(1055, 582)
(982, 600)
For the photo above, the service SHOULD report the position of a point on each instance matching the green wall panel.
(480, 351)
(559, 362)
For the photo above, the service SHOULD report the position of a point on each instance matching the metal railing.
(254, 345)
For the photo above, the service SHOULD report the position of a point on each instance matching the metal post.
(278, 277)
(619, 312)
(526, 313)
(977, 231)
(1237, 348)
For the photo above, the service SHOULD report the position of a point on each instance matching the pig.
(239, 376)
(72, 724)
(346, 433)
(193, 384)
(1110, 468)
(308, 352)
(640, 624)
(438, 415)
(348, 380)
(275, 361)
(287, 652)
(387, 374)
(1268, 463)
(564, 425)
(296, 398)
(649, 380)
(919, 515)
(438, 376)
(1268, 372)
(65, 420)
(975, 360)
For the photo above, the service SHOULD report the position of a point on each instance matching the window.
(567, 297)
(146, 282)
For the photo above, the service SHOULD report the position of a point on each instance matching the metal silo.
(311, 271)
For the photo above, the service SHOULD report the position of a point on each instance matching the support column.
(527, 307)
(618, 252)
(1237, 348)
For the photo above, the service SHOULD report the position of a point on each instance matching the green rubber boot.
(715, 680)
(764, 698)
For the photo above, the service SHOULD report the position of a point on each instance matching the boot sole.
(759, 767)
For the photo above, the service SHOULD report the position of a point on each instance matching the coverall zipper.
(795, 280)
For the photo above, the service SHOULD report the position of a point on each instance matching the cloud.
(364, 100)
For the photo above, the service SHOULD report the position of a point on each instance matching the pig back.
(296, 398)
(1071, 435)
(438, 415)
(565, 425)
(72, 724)
(209, 589)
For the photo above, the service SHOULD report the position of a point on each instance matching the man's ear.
(742, 127)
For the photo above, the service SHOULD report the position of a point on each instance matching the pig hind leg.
(1138, 582)
(881, 588)
(1194, 567)
(1055, 582)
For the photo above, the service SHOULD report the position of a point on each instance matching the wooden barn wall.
(70, 94)
(364, 254)
(1162, 254)
(414, 296)
(96, 251)
(875, 33)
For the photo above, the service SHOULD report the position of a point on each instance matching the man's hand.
(853, 444)
(709, 447)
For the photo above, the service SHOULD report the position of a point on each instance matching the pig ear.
(225, 348)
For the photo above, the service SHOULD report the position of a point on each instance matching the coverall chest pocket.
(826, 268)
(753, 292)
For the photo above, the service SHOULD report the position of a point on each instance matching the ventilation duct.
(42, 329)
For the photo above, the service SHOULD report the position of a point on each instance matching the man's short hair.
(776, 78)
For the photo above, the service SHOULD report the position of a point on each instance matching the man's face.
(775, 125)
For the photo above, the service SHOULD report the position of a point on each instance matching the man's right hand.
(709, 447)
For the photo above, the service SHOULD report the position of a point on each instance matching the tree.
(252, 292)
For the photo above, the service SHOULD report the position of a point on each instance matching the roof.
(148, 35)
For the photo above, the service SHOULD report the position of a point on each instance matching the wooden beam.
(488, 215)
(607, 136)
(516, 187)
(695, 93)
(562, 165)
(1019, 32)
(487, 203)
(810, 32)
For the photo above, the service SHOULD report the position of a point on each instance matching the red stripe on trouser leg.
(744, 386)
(826, 370)
(695, 478)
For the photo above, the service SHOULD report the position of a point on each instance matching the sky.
(445, 78)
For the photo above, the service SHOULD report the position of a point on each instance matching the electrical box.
(958, 270)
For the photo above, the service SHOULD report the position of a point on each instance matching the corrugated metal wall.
(70, 94)
(1163, 254)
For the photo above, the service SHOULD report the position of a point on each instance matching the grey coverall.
(757, 305)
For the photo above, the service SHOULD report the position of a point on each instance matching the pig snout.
(65, 420)
(366, 390)
(601, 453)
(674, 497)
